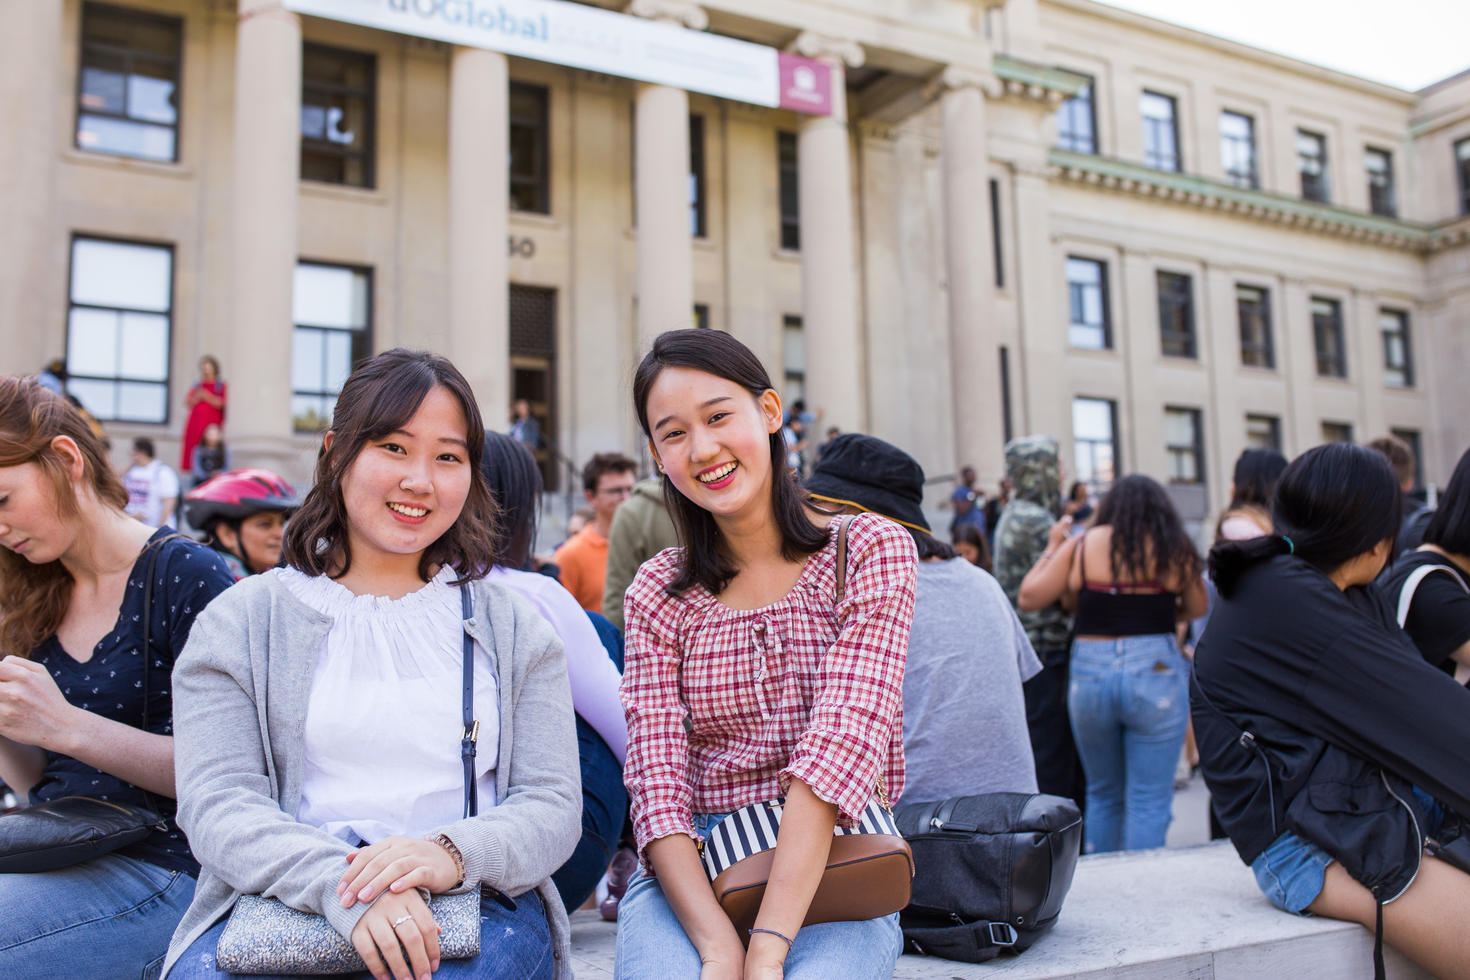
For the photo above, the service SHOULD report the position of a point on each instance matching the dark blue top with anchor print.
(187, 576)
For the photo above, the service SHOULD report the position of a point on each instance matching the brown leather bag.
(870, 868)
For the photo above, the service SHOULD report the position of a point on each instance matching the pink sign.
(806, 85)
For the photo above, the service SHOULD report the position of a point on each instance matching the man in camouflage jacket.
(1034, 469)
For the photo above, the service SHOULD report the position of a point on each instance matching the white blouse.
(383, 721)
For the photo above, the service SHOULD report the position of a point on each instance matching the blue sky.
(1406, 43)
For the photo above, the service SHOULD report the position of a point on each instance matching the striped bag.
(869, 869)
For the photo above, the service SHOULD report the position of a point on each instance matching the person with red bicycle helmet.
(243, 515)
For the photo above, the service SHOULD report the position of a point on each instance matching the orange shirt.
(583, 561)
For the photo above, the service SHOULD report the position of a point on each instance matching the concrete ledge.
(1190, 913)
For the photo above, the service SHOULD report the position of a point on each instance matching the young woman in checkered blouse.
(744, 683)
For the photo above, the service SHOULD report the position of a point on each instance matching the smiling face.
(712, 438)
(30, 524)
(404, 490)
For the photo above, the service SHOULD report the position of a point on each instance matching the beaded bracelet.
(773, 932)
(443, 841)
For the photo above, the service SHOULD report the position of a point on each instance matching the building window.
(1176, 314)
(530, 165)
(338, 108)
(1311, 157)
(701, 316)
(1327, 335)
(1253, 308)
(789, 193)
(332, 310)
(1238, 149)
(128, 88)
(1087, 298)
(696, 177)
(1077, 122)
(1184, 444)
(1095, 441)
(995, 237)
(118, 325)
(1263, 432)
(1160, 131)
(1398, 360)
(1462, 167)
(1379, 164)
(1412, 440)
(793, 356)
(1337, 432)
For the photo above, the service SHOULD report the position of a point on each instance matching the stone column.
(267, 174)
(828, 264)
(970, 265)
(661, 189)
(1042, 399)
(31, 266)
(1297, 353)
(479, 189)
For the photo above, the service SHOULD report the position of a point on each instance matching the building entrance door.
(533, 370)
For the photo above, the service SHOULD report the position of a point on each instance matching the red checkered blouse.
(726, 705)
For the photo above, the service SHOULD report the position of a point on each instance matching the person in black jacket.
(1329, 745)
(1436, 614)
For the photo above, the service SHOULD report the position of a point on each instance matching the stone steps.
(1192, 913)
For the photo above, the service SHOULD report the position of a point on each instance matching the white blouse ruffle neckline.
(383, 718)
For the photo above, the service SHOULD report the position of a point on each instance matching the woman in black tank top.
(1127, 694)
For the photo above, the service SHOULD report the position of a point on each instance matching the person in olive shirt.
(1034, 472)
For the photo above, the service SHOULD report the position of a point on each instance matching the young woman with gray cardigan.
(318, 709)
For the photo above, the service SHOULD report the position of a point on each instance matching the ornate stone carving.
(810, 44)
(679, 12)
(964, 76)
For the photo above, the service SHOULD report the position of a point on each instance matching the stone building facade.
(1018, 216)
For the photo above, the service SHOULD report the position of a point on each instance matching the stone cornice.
(1450, 234)
(1212, 195)
(679, 12)
(810, 44)
(1029, 80)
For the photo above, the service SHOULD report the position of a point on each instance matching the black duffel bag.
(990, 872)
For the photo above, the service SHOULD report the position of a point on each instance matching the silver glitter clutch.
(264, 936)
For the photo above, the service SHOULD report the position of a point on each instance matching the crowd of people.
(368, 698)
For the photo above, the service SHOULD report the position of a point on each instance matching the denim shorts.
(1291, 872)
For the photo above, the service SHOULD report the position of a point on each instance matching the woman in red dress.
(206, 401)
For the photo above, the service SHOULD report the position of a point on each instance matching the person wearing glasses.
(607, 480)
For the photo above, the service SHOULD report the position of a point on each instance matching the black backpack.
(990, 872)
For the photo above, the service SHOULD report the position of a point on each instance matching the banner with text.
(599, 40)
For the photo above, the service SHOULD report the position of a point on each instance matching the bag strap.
(840, 588)
(1411, 585)
(471, 734)
(154, 548)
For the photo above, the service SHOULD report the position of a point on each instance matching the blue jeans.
(652, 944)
(514, 945)
(1291, 872)
(604, 808)
(109, 917)
(1129, 703)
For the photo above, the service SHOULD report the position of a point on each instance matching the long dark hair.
(515, 483)
(31, 416)
(1333, 503)
(1256, 473)
(716, 352)
(1148, 537)
(1449, 528)
(970, 534)
(380, 396)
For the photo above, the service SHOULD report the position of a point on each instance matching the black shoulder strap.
(155, 548)
(471, 727)
(1082, 557)
(841, 587)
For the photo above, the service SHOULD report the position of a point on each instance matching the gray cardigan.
(240, 699)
